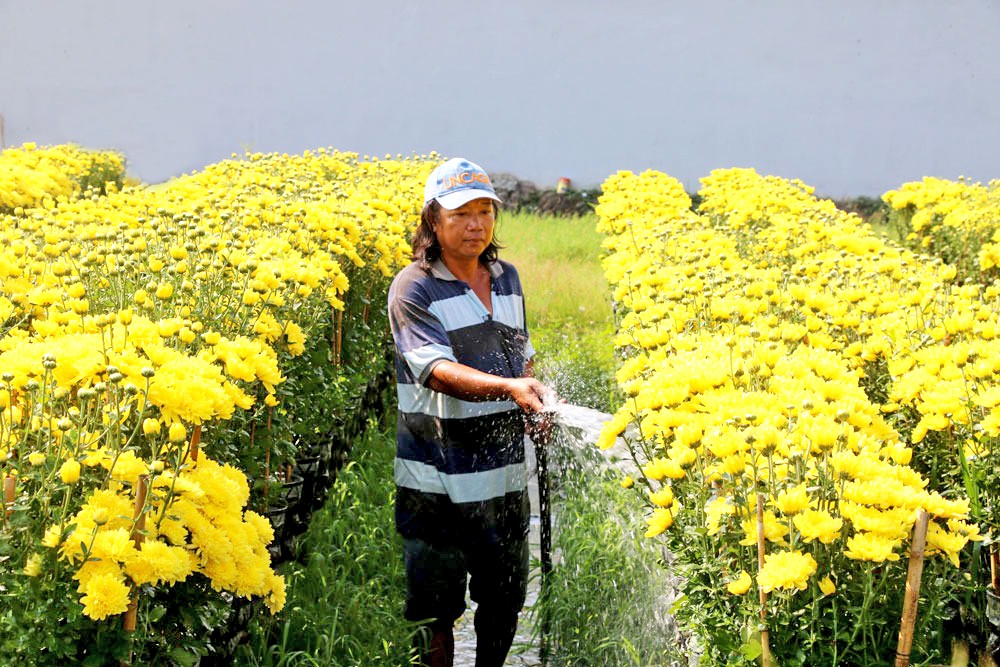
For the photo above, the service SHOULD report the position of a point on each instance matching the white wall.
(852, 96)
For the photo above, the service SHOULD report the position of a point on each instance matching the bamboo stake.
(267, 462)
(8, 494)
(916, 569)
(339, 333)
(367, 301)
(765, 642)
(195, 440)
(333, 333)
(138, 535)
(995, 568)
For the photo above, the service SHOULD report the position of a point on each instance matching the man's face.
(465, 232)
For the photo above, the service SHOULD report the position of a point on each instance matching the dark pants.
(498, 579)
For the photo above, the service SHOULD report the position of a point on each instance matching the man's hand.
(537, 424)
(529, 393)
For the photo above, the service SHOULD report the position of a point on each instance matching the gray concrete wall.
(852, 96)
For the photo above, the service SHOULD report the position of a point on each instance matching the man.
(465, 387)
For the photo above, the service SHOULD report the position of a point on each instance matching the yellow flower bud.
(70, 471)
(151, 426)
(36, 458)
(164, 291)
(33, 567)
(177, 432)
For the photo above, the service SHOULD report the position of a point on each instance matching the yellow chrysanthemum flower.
(741, 584)
(660, 520)
(818, 525)
(105, 595)
(793, 500)
(157, 562)
(786, 569)
(774, 530)
(871, 547)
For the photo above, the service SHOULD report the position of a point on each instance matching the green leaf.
(751, 650)
(183, 657)
(156, 613)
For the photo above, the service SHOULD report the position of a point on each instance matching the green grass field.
(559, 263)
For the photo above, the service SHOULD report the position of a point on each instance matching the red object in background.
(563, 186)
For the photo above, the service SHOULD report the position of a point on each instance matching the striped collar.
(440, 271)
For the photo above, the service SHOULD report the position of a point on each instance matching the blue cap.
(457, 182)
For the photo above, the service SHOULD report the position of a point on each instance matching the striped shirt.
(459, 464)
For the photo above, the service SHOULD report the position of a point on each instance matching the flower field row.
(166, 353)
(31, 176)
(955, 220)
(778, 354)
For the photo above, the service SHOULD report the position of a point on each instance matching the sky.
(853, 97)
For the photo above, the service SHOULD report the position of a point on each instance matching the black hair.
(426, 248)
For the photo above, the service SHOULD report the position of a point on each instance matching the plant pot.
(993, 609)
(307, 465)
(278, 516)
(308, 468)
(291, 490)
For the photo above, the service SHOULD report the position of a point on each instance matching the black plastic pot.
(308, 468)
(291, 491)
(278, 516)
(307, 465)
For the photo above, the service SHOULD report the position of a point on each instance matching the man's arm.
(467, 383)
